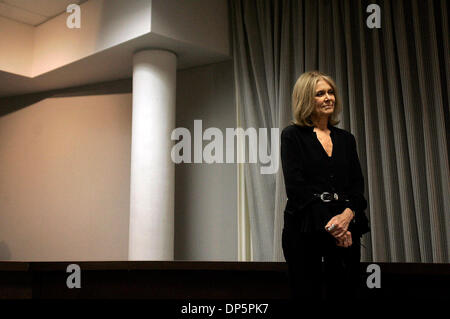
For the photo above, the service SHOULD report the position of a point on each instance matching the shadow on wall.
(5, 253)
(15, 103)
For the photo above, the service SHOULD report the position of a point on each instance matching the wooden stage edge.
(404, 268)
(181, 280)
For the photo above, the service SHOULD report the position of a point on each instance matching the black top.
(308, 169)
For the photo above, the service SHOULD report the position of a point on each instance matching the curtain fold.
(394, 85)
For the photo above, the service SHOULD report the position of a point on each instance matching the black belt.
(328, 197)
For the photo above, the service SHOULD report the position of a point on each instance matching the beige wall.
(16, 47)
(65, 175)
(64, 179)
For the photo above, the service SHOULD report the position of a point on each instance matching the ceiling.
(111, 64)
(34, 12)
(97, 68)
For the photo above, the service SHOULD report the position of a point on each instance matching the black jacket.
(308, 169)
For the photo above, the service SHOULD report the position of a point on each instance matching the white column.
(152, 183)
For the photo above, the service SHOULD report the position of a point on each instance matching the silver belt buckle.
(323, 199)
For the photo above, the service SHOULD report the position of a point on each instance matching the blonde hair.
(303, 102)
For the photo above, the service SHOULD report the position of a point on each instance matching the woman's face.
(325, 99)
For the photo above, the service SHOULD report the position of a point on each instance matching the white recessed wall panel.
(104, 24)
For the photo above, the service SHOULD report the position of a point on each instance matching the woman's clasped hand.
(338, 228)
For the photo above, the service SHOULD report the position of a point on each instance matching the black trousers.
(317, 267)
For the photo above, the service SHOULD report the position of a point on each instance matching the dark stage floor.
(182, 281)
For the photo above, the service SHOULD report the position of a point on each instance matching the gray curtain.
(394, 83)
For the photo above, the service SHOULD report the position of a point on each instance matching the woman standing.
(324, 216)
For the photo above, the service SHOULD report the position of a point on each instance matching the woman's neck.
(320, 123)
